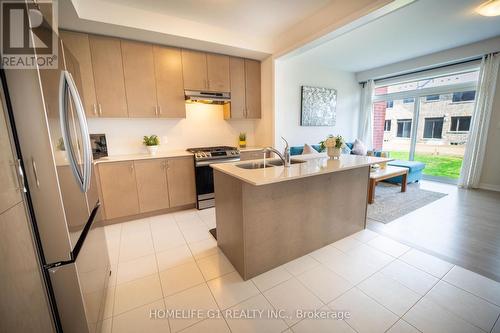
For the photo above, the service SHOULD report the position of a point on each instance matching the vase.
(333, 152)
(152, 150)
(243, 143)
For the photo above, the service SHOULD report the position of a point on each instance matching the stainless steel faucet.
(285, 157)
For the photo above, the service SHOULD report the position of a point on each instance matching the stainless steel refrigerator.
(55, 162)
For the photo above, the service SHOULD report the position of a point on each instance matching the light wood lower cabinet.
(143, 186)
(152, 186)
(119, 189)
(181, 181)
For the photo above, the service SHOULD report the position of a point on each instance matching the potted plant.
(243, 140)
(152, 142)
(333, 145)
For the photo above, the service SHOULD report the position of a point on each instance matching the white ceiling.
(422, 27)
(247, 28)
(263, 18)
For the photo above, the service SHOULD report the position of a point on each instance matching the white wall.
(203, 126)
(290, 75)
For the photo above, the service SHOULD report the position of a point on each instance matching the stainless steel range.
(203, 157)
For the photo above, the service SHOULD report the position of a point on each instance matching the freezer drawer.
(80, 287)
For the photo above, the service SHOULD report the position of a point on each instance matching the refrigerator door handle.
(67, 84)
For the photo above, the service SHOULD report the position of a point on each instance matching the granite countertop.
(315, 164)
(145, 156)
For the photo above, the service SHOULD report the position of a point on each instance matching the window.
(461, 124)
(464, 96)
(387, 126)
(390, 104)
(432, 98)
(404, 128)
(408, 100)
(433, 128)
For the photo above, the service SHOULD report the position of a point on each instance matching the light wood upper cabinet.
(238, 103)
(218, 72)
(152, 187)
(194, 69)
(181, 181)
(108, 76)
(139, 73)
(78, 44)
(245, 89)
(252, 88)
(169, 82)
(119, 189)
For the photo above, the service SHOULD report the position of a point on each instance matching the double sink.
(268, 164)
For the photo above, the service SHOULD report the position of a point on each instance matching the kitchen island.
(267, 216)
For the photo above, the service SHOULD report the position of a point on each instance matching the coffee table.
(381, 174)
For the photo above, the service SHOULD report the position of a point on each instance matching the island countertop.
(315, 164)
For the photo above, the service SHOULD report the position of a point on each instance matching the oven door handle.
(206, 163)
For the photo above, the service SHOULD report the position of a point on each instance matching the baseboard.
(490, 187)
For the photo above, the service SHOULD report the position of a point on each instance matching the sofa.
(415, 168)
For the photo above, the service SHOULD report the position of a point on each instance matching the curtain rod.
(425, 70)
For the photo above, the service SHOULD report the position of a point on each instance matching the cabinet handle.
(100, 109)
(159, 109)
(156, 110)
(95, 109)
(131, 168)
(19, 174)
(35, 172)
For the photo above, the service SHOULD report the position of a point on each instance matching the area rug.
(390, 203)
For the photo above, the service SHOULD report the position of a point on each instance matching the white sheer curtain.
(366, 114)
(474, 153)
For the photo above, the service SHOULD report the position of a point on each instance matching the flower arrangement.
(332, 142)
(333, 145)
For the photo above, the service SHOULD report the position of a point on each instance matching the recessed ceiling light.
(489, 8)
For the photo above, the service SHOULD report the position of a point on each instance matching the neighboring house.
(444, 119)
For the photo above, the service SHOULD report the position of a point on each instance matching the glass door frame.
(417, 95)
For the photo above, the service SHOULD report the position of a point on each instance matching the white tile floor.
(172, 262)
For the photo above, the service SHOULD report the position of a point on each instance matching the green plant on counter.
(243, 136)
(152, 140)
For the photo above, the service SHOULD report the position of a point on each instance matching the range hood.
(208, 97)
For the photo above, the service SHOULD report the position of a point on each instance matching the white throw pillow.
(359, 148)
(308, 150)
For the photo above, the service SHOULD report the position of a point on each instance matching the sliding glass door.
(428, 121)
(393, 122)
